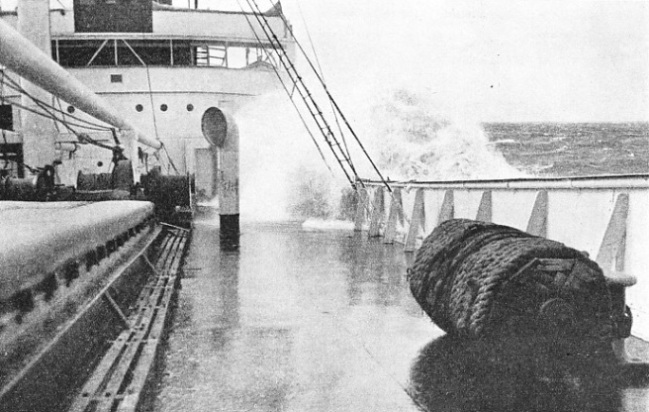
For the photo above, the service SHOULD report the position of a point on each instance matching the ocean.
(414, 137)
(572, 149)
(410, 136)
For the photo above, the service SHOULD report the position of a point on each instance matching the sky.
(492, 60)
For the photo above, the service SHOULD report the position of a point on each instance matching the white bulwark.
(604, 216)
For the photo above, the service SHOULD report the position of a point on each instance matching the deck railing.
(605, 216)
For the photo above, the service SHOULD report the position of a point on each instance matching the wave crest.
(415, 140)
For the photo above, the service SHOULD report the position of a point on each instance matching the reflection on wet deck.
(324, 321)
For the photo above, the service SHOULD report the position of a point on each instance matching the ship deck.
(324, 321)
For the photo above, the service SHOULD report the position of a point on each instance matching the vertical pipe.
(221, 131)
(228, 190)
(39, 133)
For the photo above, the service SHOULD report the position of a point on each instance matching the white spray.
(407, 135)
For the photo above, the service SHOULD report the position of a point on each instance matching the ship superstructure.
(134, 111)
(162, 71)
(289, 321)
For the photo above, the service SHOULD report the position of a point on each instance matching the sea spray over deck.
(416, 139)
(409, 136)
(282, 175)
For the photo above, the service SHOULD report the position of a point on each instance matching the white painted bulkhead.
(168, 101)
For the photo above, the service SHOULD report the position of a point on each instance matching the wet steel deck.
(324, 321)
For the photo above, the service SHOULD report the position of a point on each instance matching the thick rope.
(477, 279)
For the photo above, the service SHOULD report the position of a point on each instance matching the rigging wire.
(279, 77)
(153, 115)
(48, 115)
(82, 137)
(369, 204)
(307, 97)
(47, 112)
(91, 125)
(155, 121)
(324, 86)
(305, 94)
(317, 60)
(171, 162)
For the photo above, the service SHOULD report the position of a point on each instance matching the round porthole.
(100, 163)
(70, 109)
(190, 107)
(163, 107)
(139, 108)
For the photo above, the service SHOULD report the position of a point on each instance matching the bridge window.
(74, 53)
(237, 57)
(161, 52)
(151, 52)
(259, 56)
(210, 54)
(181, 53)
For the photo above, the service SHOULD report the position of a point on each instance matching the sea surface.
(573, 149)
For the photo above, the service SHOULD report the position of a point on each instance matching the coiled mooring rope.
(476, 279)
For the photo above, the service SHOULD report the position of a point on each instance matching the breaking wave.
(415, 140)
(408, 136)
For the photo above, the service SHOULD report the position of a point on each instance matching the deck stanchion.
(611, 259)
(361, 207)
(378, 212)
(417, 221)
(614, 236)
(538, 223)
(395, 217)
(448, 207)
(485, 210)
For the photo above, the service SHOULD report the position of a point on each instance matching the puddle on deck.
(324, 321)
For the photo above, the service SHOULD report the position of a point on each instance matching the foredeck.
(324, 321)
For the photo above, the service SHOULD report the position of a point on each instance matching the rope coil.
(477, 279)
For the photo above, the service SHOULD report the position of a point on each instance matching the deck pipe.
(38, 132)
(27, 60)
(221, 132)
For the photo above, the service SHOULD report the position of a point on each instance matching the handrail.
(625, 181)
